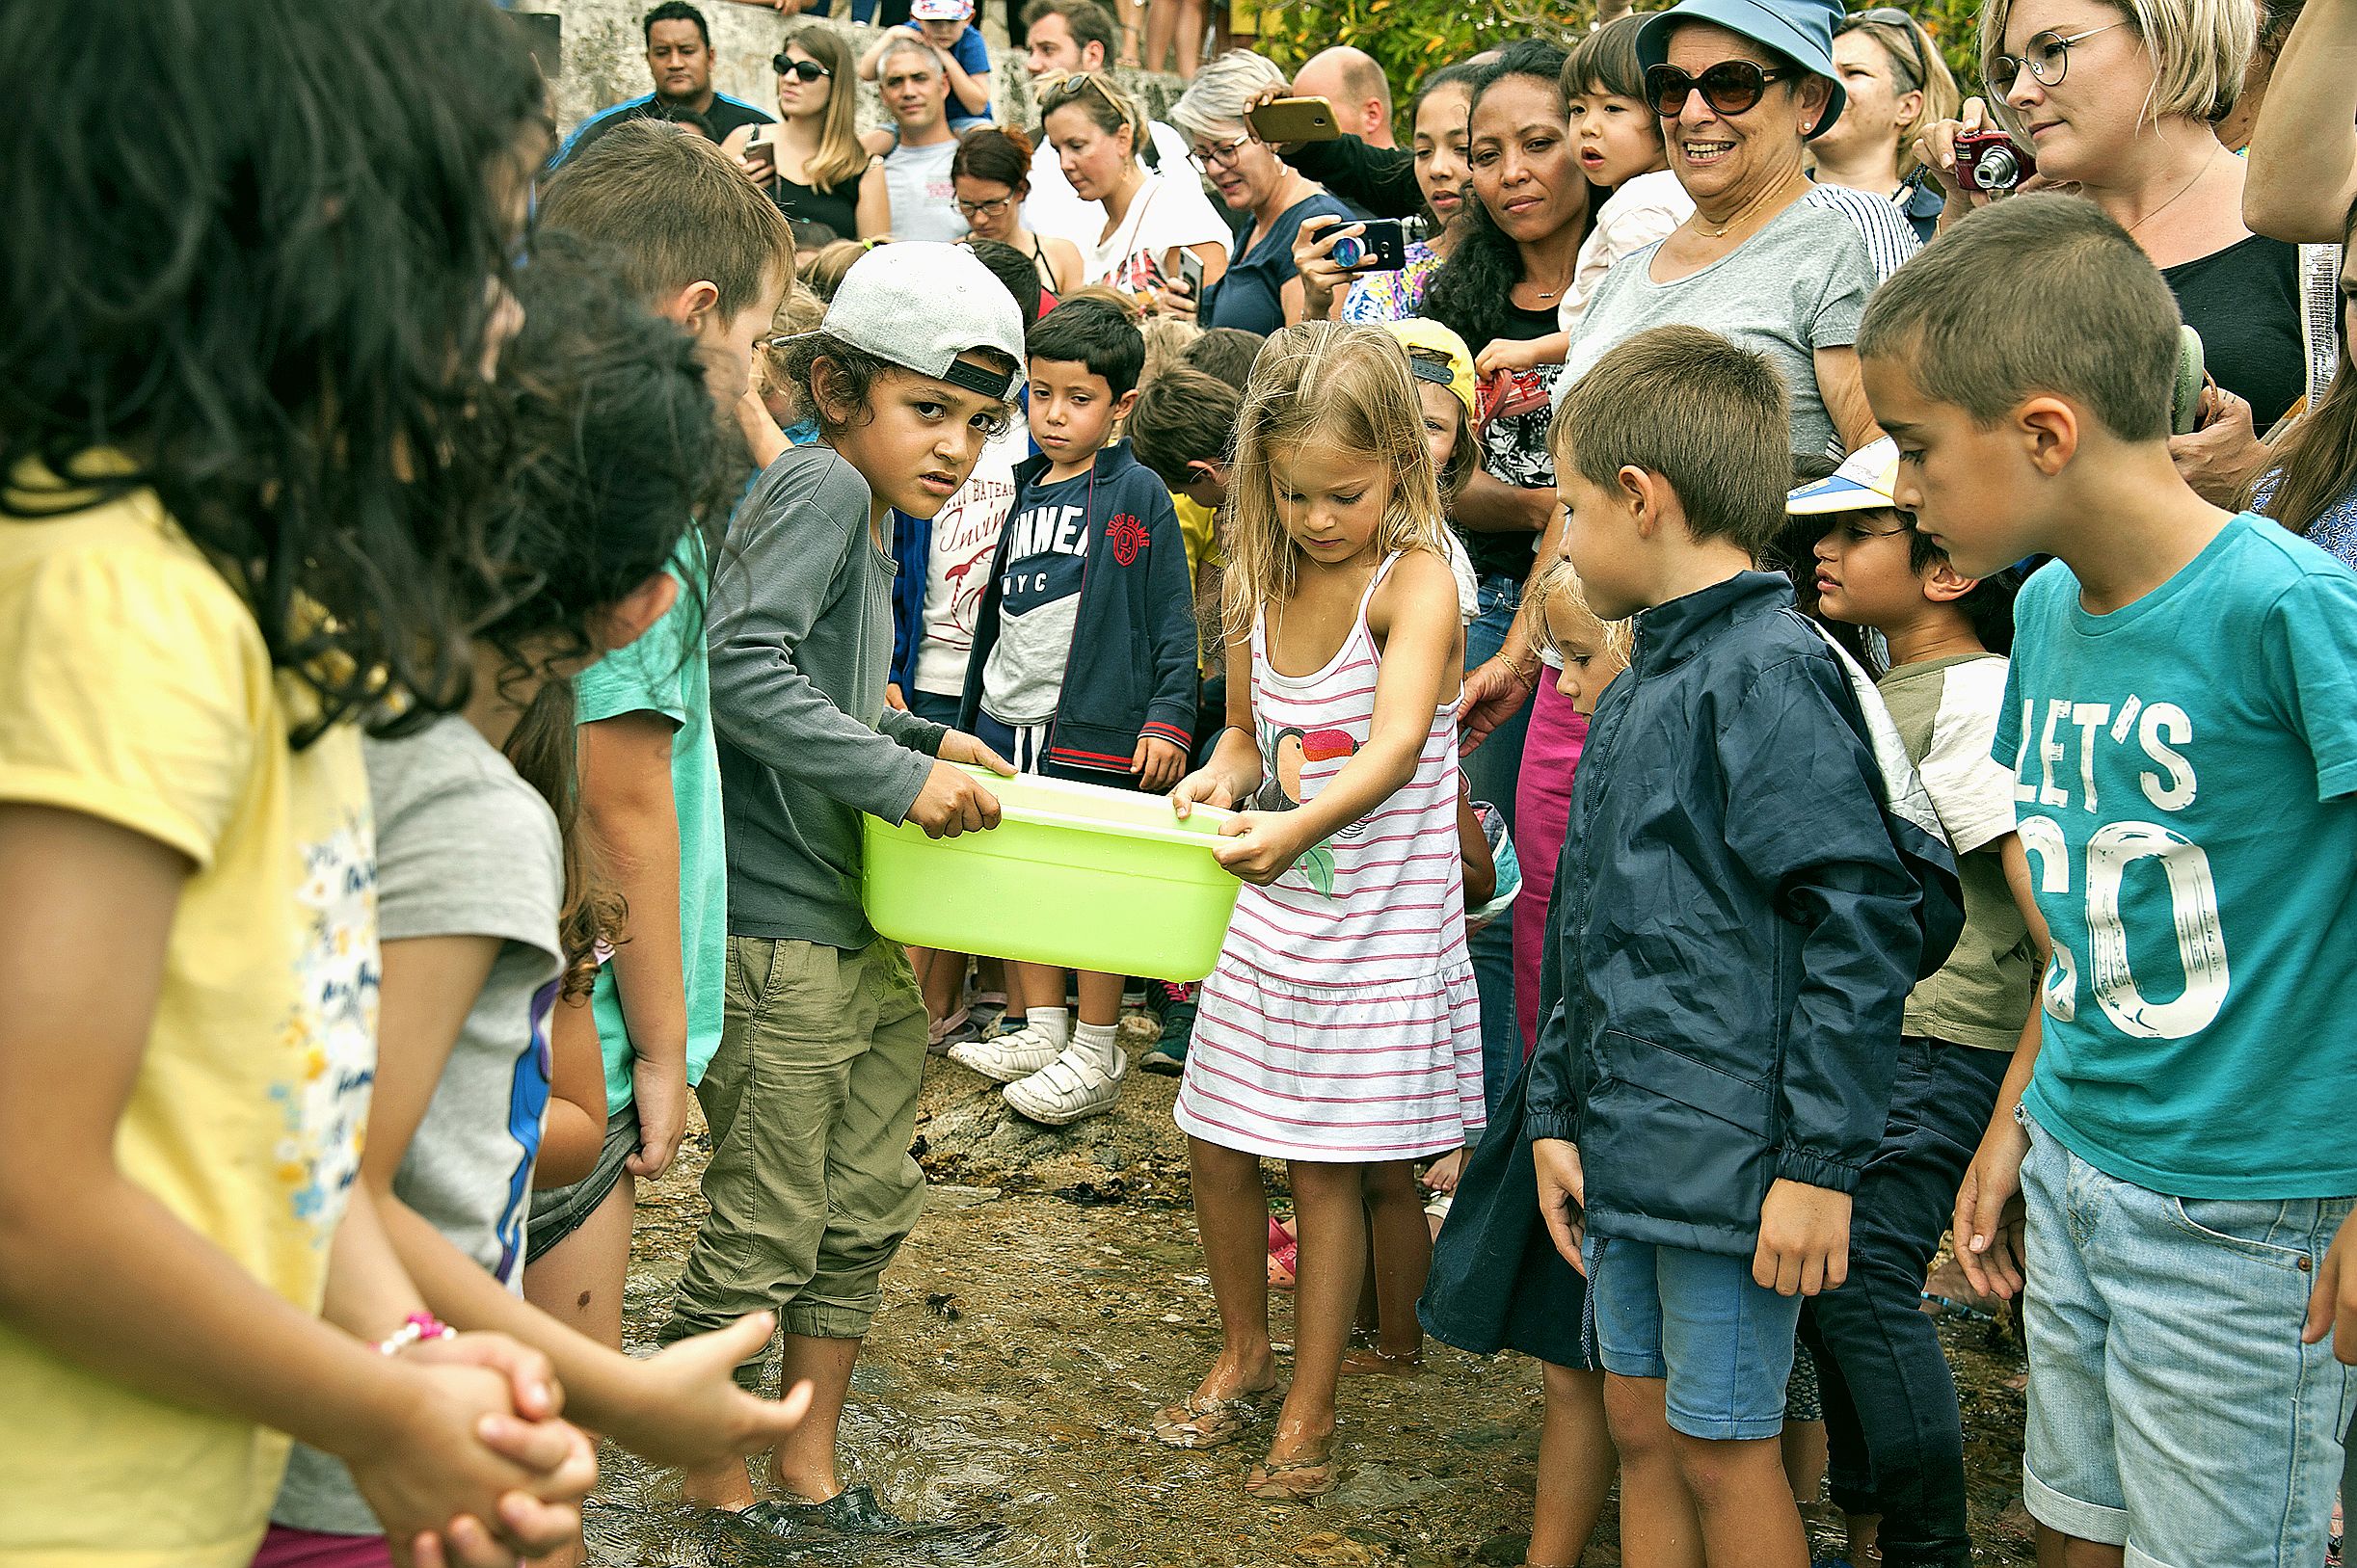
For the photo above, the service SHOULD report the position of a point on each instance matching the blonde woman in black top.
(811, 162)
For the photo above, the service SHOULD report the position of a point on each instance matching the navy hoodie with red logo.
(1131, 671)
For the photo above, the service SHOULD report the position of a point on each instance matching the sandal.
(1295, 1481)
(1285, 1255)
(1208, 1423)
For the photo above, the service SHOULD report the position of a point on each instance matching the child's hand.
(1201, 788)
(1501, 355)
(1157, 764)
(457, 1468)
(684, 1408)
(2332, 1305)
(659, 1089)
(1988, 1220)
(1258, 847)
(951, 803)
(1563, 1195)
(1804, 1239)
(957, 746)
(893, 697)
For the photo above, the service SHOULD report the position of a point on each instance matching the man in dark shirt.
(680, 60)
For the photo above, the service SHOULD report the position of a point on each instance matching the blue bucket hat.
(1802, 30)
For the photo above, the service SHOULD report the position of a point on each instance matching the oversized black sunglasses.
(809, 71)
(1731, 86)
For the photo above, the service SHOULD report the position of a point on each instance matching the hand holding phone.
(1191, 272)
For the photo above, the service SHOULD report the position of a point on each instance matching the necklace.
(1562, 283)
(2214, 150)
(1745, 211)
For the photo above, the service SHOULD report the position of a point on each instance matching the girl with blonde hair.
(811, 162)
(1340, 1030)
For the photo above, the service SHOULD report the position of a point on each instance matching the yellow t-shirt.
(1199, 527)
(135, 688)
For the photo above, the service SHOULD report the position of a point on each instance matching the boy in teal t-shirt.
(2181, 717)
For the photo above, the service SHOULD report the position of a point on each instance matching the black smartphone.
(1383, 248)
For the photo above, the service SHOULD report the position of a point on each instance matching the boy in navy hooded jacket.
(1083, 663)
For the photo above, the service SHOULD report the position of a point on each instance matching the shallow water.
(1032, 1326)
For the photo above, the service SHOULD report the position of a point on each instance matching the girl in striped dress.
(1340, 1031)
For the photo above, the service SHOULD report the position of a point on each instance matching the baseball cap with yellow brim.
(1865, 482)
(1441, 345)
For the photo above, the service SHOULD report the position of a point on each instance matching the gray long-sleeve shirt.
(801, 646)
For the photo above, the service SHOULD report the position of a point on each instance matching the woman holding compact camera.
(2117, 103)
(810, 161)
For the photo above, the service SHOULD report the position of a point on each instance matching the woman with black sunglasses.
(811, 162)
(1895, 84)
(2119, 104)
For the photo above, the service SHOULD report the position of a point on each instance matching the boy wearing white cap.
(811, 1095)
(1891, 1415)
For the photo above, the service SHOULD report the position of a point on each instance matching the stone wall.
(605, 60)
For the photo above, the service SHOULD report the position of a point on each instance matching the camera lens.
(1348, 252)
(1998, 170)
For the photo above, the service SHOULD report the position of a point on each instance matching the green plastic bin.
(1075, 874)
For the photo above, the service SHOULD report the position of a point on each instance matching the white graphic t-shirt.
(957, 564)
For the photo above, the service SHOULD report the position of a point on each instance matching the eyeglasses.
(1219, 156)
(1893, 16)
(2047, 56)
(1731, 86)
(984, 209)
(809, 71)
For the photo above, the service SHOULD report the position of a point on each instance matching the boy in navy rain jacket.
(1083, 663)
(1749, 889)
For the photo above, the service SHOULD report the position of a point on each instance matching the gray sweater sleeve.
(789, 551)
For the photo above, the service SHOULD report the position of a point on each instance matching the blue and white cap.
(1865, 482)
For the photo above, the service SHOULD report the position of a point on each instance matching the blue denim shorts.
(1721, 1341)
(2173, 1409)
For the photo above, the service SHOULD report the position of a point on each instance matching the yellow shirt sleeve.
(126, 685)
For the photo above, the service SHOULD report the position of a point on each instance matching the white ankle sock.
(1098, 1043)
(1049, 1023)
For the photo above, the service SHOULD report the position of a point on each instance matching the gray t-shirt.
(465, 848)
(1798, 285)
(923, 197)
(800, 631)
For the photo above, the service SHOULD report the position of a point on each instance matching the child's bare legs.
(1577, 1463)
(1743, 1499)
(1330, 1214)
(1658, 1528)
(1162, 22)
(1801, 1450)
(1231, 1214)
(578, 1282)
(1400, 1255)
(2056, 1549)
(941, 977)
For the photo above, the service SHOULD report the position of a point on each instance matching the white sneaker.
(1006, 1057)
(1069, 1089)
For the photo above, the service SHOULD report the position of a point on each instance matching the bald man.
(1351, 82)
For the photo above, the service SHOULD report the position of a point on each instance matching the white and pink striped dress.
(1343, 1026)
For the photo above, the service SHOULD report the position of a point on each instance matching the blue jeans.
(1491, 772)
(2172, 1407)
(1721, 1341)
(934, 707)
(1891, 1415)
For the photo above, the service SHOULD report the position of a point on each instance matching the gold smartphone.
(1293, 120)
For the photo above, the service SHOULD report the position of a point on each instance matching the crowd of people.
(1779, 692)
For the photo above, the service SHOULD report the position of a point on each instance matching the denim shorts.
(1721, 1341)
(2173, 1409)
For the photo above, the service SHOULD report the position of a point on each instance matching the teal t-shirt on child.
(2184, 774)
(665, 671)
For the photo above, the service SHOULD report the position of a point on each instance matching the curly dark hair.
(275, 302)
(1473, 292)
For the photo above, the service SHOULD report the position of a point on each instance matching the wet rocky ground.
(1052, 1295)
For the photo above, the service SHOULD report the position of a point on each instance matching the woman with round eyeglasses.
(1261, 291)
(1894, 84)
(1152, 221)
(2116, 103)
(810, 161)
(992, 174)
